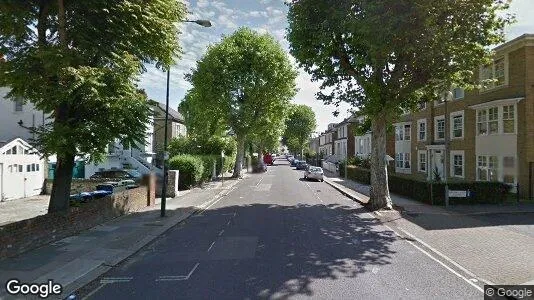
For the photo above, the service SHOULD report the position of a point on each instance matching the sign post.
(222, 168)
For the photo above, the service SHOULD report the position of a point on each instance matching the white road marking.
(115, 279)
(219, 199)
(228, 223)
(211, 246)
(259, 181)
(220, 233)
(438, 261)
(314, 193)
(178, 277)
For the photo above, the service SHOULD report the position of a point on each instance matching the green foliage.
(360, 162)
(299, 126)
(385, 56)
(191, 170)
(243, 83)
(208, 146)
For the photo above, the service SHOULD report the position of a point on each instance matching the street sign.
(458, 194)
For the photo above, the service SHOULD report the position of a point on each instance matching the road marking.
(178, 277)
(211, 246)
(314, 193)
(228, 224)
(220, 233)
(259, 181)
(218, 199)
(437, 260)
(115, 279)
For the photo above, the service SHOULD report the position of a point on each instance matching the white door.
(33, 179)
(437, 163)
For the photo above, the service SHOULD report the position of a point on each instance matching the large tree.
(386, 56)
(246, 80)
(300, 125)
(78, 61)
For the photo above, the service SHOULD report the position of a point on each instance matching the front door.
(436, 172)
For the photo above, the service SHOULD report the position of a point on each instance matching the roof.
(173, 114)
(5, 145)
(519, 39)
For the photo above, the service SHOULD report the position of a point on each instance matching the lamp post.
(448, 97)
(204, 23)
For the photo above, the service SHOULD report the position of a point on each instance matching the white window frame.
(436, 119)
(452, 165)
(494, 85)
(501, 118)
(419, 152)
(487, 165)
(451, 129)
(462, 93)
(419, 122)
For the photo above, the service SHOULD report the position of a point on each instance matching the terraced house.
(479, 135)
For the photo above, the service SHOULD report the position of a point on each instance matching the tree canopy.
(79, 62)
(247, 81)
(299, 127)
(383, 57)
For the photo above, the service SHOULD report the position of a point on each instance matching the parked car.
(119, 174)
(302, 165)
(314, 173)
(294, 162)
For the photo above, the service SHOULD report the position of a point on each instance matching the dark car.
(119, 174)
(302, 165)
(294, 162)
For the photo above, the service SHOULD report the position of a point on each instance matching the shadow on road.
(268, 251)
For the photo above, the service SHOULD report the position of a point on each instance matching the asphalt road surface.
(276, 236)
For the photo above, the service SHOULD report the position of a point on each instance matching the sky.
(264, 16)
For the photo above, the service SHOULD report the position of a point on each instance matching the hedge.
(191, 170)
(481, 192)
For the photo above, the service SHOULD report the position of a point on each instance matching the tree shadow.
(266, 251)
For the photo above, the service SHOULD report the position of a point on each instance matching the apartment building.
(490, 131)
(326, 141)
(344, 142)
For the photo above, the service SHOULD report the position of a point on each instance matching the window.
(457, 164)
(37, 167)
(499, 72)
(509, 169)
(440, 128)
(494, 75)
(407, 132)
(399, 160)
(482, 122)
(407, 160)
(422, 130)
(487, 169)
(458, 93)
(493, 120)
(14, 150)
(28, 168)
(422, 105)
(33, 167)
(422, 161)
(508, 122)
(21, 168)
(457, 124)
(361, 150)
(18, 105)
(399, 133)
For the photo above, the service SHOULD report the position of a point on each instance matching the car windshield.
(316, 170)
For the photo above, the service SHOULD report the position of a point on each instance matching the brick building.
(490, 131)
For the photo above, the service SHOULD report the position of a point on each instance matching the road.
(276, 236)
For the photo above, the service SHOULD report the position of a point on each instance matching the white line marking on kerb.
(192, 271)
(220, 233)
(178, 277)
(438, 261)
(211, 246)
(115, 279)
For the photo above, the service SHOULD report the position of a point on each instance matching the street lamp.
(204, 23)
(448, 97)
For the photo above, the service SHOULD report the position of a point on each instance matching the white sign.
(457, 194)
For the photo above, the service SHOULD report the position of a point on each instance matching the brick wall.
(19, 237)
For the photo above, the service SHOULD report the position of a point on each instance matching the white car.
(314, 173)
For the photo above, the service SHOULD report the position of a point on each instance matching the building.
(344, 143)
(326, 141)
(490, 131)
(15, 113)
(21, 170)
(176, 128)
(313, 144)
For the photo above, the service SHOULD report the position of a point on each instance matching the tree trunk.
(239, 157)
(62, 31)
(60, 195)
(379, 196)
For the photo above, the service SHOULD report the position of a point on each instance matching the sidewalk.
(494, 242)
(77, 260)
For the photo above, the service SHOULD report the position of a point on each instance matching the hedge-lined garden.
(194, 158)
(481, 192)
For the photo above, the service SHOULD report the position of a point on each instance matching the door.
(437, 164)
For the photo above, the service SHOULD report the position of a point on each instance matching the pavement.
(77, 260)
(22, 209)
(493, 242)
(277, 236)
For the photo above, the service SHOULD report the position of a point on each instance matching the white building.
(21, 170)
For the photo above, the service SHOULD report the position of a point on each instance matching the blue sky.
(264, 16)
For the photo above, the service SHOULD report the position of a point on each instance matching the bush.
(481, 192)
(191, 170)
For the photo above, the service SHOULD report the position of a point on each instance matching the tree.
(300, 124)
(247, 81)
(386, 56)
(78, 61)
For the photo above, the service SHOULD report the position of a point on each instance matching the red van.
(268, 159)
